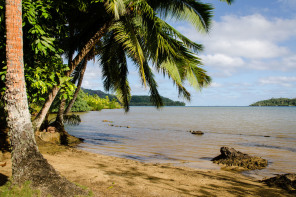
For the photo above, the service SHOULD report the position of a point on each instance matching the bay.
(161, 136)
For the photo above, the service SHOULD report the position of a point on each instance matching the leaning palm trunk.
(77, 89)
(61, 112)
(27, 162)
(87, 47)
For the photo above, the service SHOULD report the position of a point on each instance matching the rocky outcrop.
(54, 137)
(50, 135)
(196, 132)
(284, 181)
(231, 157)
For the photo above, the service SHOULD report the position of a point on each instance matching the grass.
(9, 190)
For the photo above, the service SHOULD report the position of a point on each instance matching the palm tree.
(172, 54)
(27, 162)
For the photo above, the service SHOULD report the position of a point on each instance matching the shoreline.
(113, 176)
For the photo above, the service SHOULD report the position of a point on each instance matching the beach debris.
(232, 157)
(284, 181)
(196, 132)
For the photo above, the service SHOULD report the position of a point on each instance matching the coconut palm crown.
(140, 33)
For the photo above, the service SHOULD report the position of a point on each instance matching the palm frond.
(154, 94)
(72, 119)
(116, 7)
(197, 13)
(197, 77)
(125, 33)
(115, 70)
(76, 73)
(228, 1)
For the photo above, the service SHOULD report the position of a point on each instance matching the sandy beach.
(112, 176)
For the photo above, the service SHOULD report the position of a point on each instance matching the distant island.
(136, 100)
(276, 102)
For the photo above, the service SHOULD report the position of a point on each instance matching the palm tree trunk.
(59, 122)
(60, 116)
(27, 162)
(79, 57)
(77, 89)
(44, 110)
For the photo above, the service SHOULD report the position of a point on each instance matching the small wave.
(268, 146)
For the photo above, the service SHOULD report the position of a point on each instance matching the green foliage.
(136, 100)
(41, 79)
(97, 104)
(86, 102)
(72, 119)
(43, 27)
(14, 191)
(99, 93)
(276, 102)
(80, 104)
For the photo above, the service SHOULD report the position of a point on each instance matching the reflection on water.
(161, 135)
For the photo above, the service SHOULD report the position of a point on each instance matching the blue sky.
(250, 53)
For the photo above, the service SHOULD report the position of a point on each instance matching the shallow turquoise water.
(161, 135)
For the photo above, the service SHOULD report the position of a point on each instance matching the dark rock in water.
(266, 136)
(285, 181)
(231, 157)
(196, 132)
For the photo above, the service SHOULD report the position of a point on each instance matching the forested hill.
(145, 101)
(99, 93)
(276, 102)
(136, 100)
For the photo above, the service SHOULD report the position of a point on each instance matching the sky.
(250, 53)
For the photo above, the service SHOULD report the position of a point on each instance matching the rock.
(285, 181)
(231, 157)
(51, 129)
(50, 137)
(128, 127)
(196, 132)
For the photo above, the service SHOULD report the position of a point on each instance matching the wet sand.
(112, 176)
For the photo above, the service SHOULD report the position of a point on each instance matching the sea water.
(161, 136)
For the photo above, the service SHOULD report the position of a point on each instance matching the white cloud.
(216, 85)
(278, 80)
(221, 60)
(252, 42)
(93, 76)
